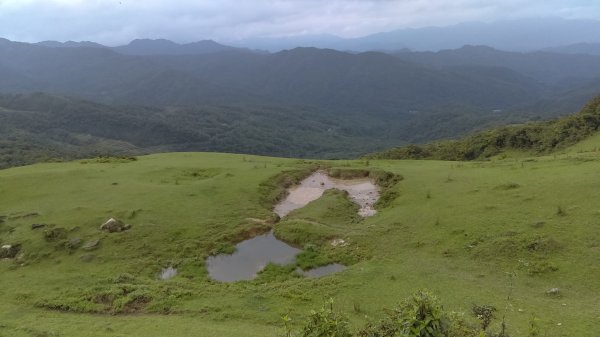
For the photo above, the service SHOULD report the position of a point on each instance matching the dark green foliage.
(109, 160)
(484, 313)
(326, 323)
(420, 315)
(120, 295)
(277, 273)
(40, 127)
(312, 257)
(539, 137)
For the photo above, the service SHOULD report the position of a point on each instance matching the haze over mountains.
(511, 35)
(191, 95)
(524, 35)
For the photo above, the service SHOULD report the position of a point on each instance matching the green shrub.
(326, 323)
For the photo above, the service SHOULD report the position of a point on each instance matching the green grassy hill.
(458, 229)
(532, 138)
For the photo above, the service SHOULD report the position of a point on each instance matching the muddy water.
(251, 256)
(362, 191)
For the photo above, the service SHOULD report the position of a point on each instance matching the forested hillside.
(540, 137)
(155, 96)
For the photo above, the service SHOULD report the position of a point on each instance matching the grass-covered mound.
(535, 137)
(499, 233)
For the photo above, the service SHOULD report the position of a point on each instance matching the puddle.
(251, 256)
(325, 270)
(362, 191)
(168, 273)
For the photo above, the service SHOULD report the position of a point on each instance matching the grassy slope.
(421, 241)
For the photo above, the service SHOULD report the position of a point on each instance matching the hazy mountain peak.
(168, 47)
(70, 44)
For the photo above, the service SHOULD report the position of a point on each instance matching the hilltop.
(472, 232)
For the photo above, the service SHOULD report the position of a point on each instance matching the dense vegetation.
(306, 102)
(42, 127)
(540, 137)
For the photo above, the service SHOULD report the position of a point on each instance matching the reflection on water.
(251, 257)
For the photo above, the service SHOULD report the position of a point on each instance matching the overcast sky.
(115, 22)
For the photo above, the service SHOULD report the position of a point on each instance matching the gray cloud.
(119, 21)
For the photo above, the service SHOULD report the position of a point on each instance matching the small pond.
(253, 255)
(362, 191)
(250, 257)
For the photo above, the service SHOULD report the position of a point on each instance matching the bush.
(420, 315)
(326, 323)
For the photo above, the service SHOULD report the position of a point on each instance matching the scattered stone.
(9, 251)
(338, 243)
(553, 292)
(74, 243)
(168, 273)
(54, 234)
(23, 216)
(113, 225)
(91, 245)
(38, 226)
(87, 257)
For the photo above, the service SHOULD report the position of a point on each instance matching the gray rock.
(168, 273)
(55, 234)
(74, 243)
(87, 257)
(553, 292)
(9, 251)
(38, 226)
(91, 245)
(113, 225)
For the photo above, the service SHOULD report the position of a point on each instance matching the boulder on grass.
(113, 225)
(91, 245)
(9, 251)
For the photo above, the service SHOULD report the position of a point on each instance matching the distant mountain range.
(577, 48)
(159, 95)
(149, 47)
(525, 35)
(160, 72)
(511, 35)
